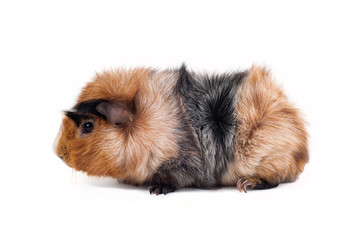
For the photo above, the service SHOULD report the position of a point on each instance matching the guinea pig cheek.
(87, 154)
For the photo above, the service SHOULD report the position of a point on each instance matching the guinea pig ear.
(115, 113)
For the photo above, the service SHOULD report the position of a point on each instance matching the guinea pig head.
(124, 125)
(82, 139)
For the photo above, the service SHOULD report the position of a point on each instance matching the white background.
(50, 49)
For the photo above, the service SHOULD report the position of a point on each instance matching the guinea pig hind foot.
(253, 183)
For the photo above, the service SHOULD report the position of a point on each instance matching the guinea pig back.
(175, 128)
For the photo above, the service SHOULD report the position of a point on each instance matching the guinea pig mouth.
(65, 159)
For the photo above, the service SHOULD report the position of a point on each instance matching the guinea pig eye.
(87, 127)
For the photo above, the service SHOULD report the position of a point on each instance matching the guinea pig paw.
(161, 189)
(247, 183)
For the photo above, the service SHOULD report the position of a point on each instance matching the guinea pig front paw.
(254, 183)
(161, 189)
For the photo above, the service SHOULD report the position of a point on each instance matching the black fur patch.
(89, 107)
(82, 110)
(76, 117)
(210, 101)
(206, 131)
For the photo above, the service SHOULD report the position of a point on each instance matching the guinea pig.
(176, 128)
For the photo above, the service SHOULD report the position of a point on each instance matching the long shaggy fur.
(172, 129)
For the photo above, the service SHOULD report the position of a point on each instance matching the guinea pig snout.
(62, 152)
(65, 159)
(60, 147)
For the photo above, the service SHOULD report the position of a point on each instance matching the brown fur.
(271, 141)
(133, 151)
